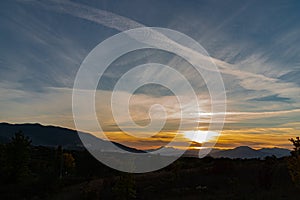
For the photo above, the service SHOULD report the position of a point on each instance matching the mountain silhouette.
(247, 152)
(54, 136)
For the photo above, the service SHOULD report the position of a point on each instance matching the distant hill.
(54, 136)
(247, 152)
(278, 152)
(241, 152)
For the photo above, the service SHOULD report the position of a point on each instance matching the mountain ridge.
(248, 152)
(59, 136)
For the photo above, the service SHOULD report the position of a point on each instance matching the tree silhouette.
(125, 188)
(294, 162)
(296, 143)
(64, 163)
(68, 163)
(17, 157)
(2, 160)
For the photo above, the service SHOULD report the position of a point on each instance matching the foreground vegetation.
(36, 172)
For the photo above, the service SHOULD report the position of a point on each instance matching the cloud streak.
(102, 17)
(247, 80)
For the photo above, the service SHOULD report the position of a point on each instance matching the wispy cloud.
(248, 80)
(36, 79)
(102, 17)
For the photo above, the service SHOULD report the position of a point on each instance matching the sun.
(200, 136)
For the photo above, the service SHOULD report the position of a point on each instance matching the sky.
(254, 44)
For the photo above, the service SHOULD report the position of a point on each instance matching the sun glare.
(200, 136)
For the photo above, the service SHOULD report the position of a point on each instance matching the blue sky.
(255, 44)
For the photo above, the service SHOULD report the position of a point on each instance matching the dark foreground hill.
(187, 178)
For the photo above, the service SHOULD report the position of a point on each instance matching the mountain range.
(54, 136)
(247, 152)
